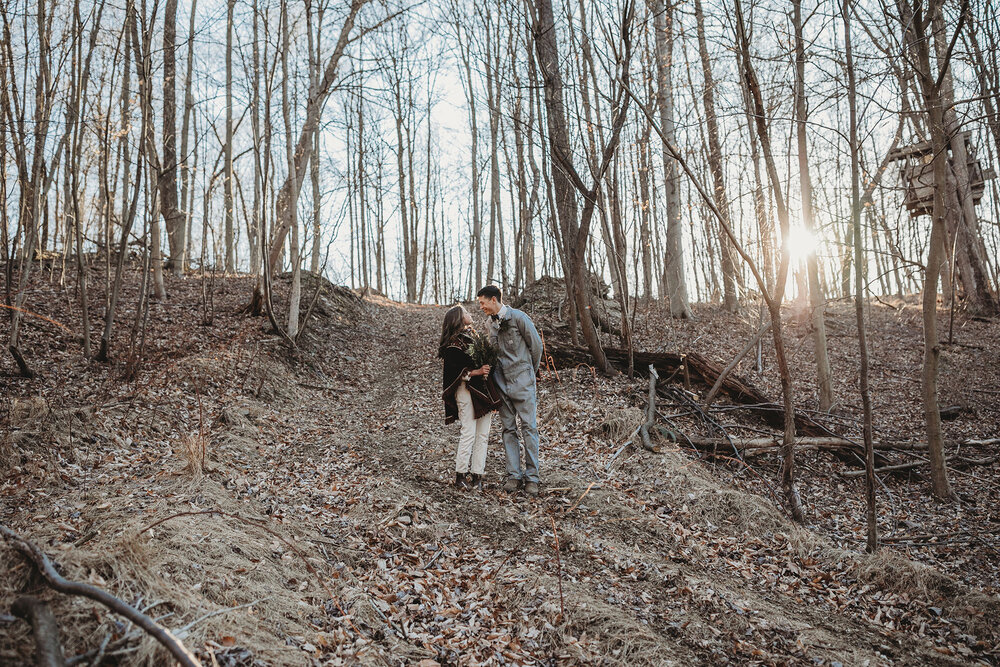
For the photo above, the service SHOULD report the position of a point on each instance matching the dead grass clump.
(621, 423)
(742, 512)
(269, 381)
(890, 571)
(27, 412)
(559, 411)
(38, 432)
(235, 416)
(621, 638)
(192, 451)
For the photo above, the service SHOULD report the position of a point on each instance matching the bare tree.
(859, 283)
(566, 180)
(673, 261)
(817, 302)
(316, 100)
(730, 298)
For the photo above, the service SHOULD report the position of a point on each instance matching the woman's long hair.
(454, 322)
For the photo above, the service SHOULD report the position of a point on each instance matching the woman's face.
(466, 318)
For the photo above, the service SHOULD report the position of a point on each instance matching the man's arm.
(531, 338)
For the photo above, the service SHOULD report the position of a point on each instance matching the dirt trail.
(631, 591)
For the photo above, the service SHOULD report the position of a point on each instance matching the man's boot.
(531, 488)
(512, 485)
(460, 483)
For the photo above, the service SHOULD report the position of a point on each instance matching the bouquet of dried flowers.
(481, 349)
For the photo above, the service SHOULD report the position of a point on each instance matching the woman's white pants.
(471, 456)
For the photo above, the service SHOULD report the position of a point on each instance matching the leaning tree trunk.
(774, 303)
(288, 194)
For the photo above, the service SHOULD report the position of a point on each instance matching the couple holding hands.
(487, 373)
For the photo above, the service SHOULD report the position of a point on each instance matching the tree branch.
(63, 585)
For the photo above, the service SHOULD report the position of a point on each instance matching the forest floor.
(277, 508)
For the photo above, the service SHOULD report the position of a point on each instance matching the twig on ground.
(182, 632)
(582, 496)
(621, 449)
(63, 585)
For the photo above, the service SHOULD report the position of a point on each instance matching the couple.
(472, 391)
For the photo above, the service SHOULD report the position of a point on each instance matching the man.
(520, 353)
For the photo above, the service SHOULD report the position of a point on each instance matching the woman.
(469, 396)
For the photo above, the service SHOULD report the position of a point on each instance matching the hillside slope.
(321, 529)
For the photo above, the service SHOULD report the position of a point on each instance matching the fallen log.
(955, 463)
(753, 446)
(768, 444)
(699, 369)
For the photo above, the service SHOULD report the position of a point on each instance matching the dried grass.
(559, 411)
(192, 450)
(623, 639)
(26, 412)
(621, 423)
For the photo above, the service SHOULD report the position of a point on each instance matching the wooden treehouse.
(917, 174)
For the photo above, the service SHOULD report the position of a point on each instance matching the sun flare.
(801, 243)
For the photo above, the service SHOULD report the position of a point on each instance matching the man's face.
(489, 306)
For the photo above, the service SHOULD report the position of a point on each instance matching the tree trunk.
(730, 299)
(965, 232)
(859, 304)
(775, 300)
(286, 114)
(173, 216)
(477, 224)
(915, 35)
(817, 301)
(564, 176)
(187, 178)
(230, 241)
(673, 261)
(314, 60)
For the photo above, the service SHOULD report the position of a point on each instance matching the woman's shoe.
(477, 482)
(460, 483)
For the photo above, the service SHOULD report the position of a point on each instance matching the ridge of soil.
(323, 530)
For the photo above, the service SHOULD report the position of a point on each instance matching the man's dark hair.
(490, 292)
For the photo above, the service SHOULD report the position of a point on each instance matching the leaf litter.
(313, 522)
